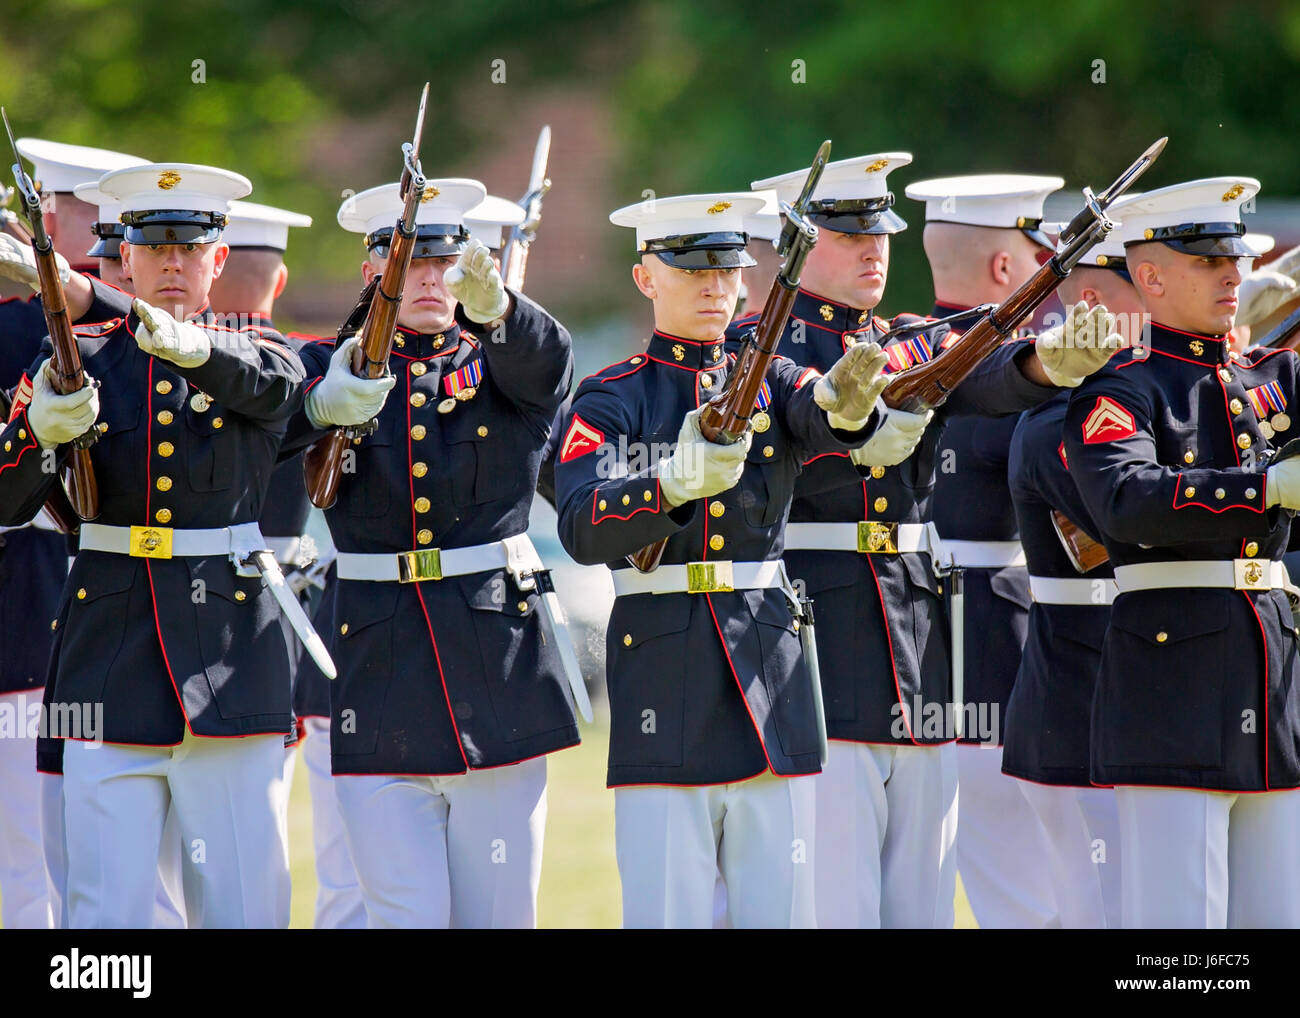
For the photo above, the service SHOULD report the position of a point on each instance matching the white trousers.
(1002, 849)
(1209, 860)
(672, 842)
(886, 819)
(26, 898)
(224, 792)
(338, 896)
(168, 913)
(463, 851)
(1082, 829)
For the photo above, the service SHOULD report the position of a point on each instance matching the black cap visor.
(108, 241)
(432, 240)
(702, 251)
(1215, 240)
(857, 215)
(173, 226)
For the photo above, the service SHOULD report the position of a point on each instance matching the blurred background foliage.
(311, 98)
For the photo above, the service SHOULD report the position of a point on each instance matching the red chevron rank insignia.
(22, 396)
(581, 439)
(1107, 422)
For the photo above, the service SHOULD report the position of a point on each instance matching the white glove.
(1281, 484)
(896, 439)
(1263, 292)
(341, 399)
(56, 419)
(849, 390)
(699, 468)
(159, 334)
(1073, 351)
(476, 283)
(18, 262)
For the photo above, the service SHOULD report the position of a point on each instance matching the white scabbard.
(564, 643)
(292, 608)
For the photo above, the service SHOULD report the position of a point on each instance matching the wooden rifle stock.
(65, 364)
(323, 462)
(79, 476)
(1085, 553)
(925, 386)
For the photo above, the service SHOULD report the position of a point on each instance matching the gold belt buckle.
(709, 577)
(877, 538)
(1250, 574)
(414, 566)
(151, 542)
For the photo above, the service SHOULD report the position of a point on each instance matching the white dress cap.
(439, 218)
(1012, 201)
(693, 231)
(108, 230)
(488, 220)
(61, 167)
(174, 203)
(852, 195)
(254, 225)
(766, 223)
(1200, 217)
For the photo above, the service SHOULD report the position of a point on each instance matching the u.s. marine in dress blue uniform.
(708, 686)
(177, 662)
(251, 283)
(1196, 718)
(1047, 728)
(1046, 731)
(883, 638)
(34, 559)
(452, 688)
(983, 239)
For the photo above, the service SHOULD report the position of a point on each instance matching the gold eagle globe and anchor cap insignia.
(168, 179)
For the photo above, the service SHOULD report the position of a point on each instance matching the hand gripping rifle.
(726, 417)
(79, 476)
(380, 302)
(514, 260)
